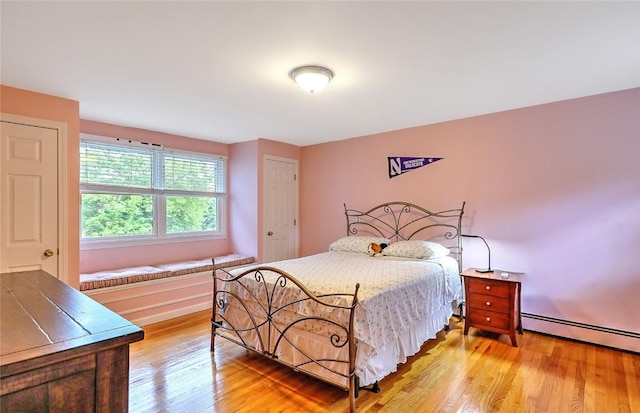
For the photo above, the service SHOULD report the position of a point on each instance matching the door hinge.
(295, 177)
(295, 222)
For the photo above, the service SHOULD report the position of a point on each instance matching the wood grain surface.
(60, 351)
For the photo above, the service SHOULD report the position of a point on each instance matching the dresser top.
(41, 316)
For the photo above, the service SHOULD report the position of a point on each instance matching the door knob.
(270, 233)
(48, 252)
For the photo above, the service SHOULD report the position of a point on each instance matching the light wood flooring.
(172, 370)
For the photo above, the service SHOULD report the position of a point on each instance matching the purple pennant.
(400, 164)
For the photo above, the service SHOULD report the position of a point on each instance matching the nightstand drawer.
(490, 303)
(488, 287)
(489, 319)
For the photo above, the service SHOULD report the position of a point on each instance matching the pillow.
(356, 243)
(416, 249)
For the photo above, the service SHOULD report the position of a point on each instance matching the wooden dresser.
(493, 302)
(60, 351)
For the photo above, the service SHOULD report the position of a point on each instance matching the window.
(138, 193)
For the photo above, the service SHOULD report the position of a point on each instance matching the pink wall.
(243, 196)
(38, 105)
(555, 190)
(109, 258)
(274, 148)
(171, 141)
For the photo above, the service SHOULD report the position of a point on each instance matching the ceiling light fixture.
(311, 78)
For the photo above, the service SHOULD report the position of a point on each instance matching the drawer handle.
(488, 303)
(488, 318)
(488, 287)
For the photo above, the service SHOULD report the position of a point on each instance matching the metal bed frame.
(404, 221)
(392, 220)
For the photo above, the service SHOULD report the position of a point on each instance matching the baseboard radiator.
(606, 336)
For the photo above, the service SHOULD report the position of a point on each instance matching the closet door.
(29, 198)
(280, 238)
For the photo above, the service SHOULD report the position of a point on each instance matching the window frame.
(159, 198)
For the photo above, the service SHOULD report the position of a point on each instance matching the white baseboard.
(167, 315)
(161, 304)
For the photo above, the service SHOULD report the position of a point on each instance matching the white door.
(280, 209)
(29, 198)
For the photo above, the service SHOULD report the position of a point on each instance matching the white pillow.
(416, 249)
(356, 243)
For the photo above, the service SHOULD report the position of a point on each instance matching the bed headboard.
(403, 221)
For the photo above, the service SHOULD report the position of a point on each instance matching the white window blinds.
(113, 165)
(194, 173)
(107, 165)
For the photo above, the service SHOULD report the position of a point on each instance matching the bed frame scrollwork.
(270, 333)
(398, 221)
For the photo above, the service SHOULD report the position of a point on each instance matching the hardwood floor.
(172, 370)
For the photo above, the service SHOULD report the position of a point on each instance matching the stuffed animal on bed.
(375, 250)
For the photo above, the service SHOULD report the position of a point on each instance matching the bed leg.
(213, 335)
(356, 387)
(353, 392)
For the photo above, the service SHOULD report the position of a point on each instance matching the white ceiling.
(219, 70)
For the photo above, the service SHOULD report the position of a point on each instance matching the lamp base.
(484, 270)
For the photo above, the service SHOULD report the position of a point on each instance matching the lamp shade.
(311, 78)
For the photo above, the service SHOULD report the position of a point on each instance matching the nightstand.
(493, 302)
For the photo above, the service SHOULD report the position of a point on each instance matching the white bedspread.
(395, 293)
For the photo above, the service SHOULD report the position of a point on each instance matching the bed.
(346, 316)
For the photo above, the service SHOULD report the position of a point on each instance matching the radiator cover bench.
(122, 276)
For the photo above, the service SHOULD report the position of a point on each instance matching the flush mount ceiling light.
(311, 78)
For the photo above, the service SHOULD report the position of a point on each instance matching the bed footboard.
(264, 309)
